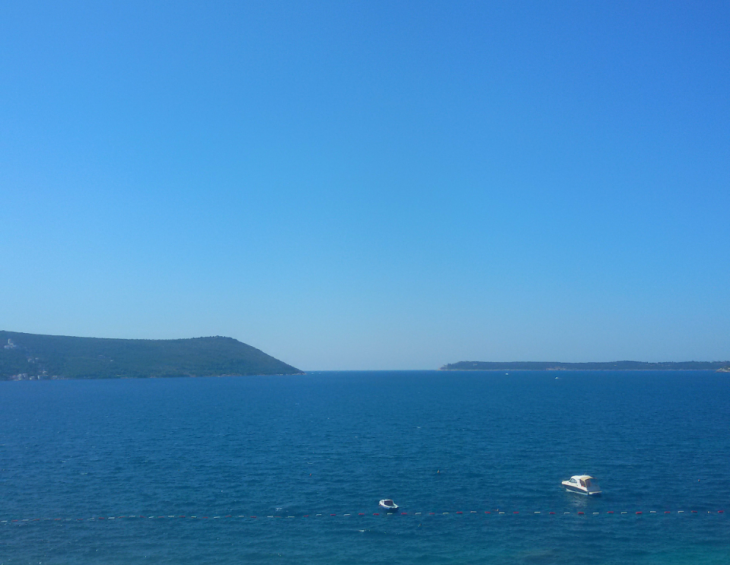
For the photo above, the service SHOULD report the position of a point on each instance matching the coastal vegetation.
(720, 366)
(30, 356)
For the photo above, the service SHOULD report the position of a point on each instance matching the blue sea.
(172, 470)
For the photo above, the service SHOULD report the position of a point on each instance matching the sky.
(370, 185)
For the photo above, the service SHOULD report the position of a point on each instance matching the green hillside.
(610, 366)
(29, 356)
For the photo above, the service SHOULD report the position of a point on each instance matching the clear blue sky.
(371, 185)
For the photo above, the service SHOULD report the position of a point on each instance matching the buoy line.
(366, 515)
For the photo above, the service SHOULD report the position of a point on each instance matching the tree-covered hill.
(26, 356)
(610, 366)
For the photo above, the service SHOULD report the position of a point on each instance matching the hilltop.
(720, 366)
(30, 356)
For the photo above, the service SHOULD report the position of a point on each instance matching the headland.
(38, 357)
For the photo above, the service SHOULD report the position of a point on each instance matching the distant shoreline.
(722, 370)
(717, 366)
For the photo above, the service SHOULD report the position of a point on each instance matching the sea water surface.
(75, 454)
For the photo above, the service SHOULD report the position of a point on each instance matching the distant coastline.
(718, 366)
(28, 357)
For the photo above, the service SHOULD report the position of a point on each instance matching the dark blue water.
(335, 443)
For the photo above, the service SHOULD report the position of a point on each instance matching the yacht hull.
(579, 490)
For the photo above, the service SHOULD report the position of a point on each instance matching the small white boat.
(388, 504)
(582, 484)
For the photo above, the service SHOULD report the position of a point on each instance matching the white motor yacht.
(582, 484)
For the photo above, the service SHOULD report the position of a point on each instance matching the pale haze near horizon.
(371, 185)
